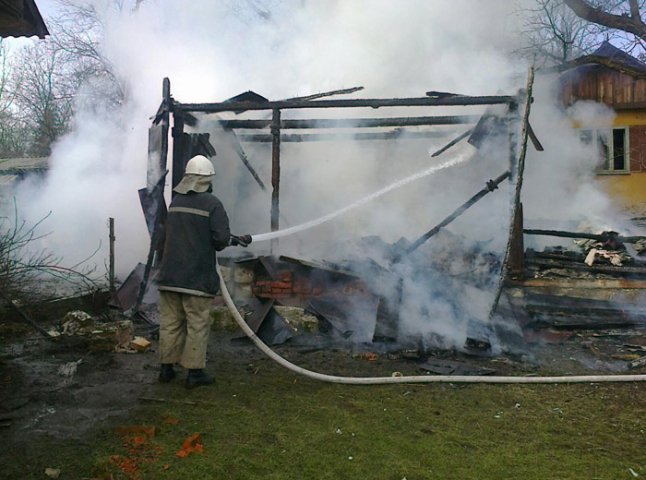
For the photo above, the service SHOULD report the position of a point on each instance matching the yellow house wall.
(631, 117)
(627, 191)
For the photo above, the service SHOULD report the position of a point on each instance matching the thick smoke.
(212, 51)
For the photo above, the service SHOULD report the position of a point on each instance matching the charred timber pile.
(600, 286)
(573, 264)
(581, 313)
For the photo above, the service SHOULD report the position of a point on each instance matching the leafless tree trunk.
(43, 96)
(623, 16)
(553, 34)
(630, 21)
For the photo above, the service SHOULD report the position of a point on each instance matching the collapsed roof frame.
(182, 114)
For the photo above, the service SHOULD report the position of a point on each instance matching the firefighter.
(196, 227)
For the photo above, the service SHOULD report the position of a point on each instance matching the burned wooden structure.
(185, 145)
(557, 287)
(173, 117)
(568, 288)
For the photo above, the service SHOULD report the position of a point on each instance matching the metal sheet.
(260, 311)
(350, 316)
(156, 159)
(274, 329)
(126, 296)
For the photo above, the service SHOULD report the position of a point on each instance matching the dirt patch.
(62, 389)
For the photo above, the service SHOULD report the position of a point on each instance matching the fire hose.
(412, 378)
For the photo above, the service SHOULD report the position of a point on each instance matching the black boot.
(166, 372)
(196, 377)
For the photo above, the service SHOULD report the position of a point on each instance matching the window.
(612, 146)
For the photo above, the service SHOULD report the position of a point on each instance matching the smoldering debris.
(361, 300)
(435, 302)
(594, 282)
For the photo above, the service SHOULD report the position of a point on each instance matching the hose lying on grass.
(413, 378)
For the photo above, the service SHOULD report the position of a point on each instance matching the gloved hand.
(242, 240)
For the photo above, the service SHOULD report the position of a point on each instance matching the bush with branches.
(28, 272)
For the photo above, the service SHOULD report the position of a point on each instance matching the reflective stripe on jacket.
(197, 225)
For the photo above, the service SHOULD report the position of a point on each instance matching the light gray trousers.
(184, 328)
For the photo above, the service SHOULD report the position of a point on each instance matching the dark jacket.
(197, 225)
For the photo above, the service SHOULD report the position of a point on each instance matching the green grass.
(276, 425)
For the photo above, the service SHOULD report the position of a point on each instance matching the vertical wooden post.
(275, 173)
(156, 248)
(112, 239)
(165, 121)
(517, 250)
(517, 180)
(178, 149)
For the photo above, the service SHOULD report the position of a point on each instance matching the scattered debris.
(452, 367)
(640, 362)
(53, 472)
(140, 344)
(192, 444)
(140, 449)
(69, 369)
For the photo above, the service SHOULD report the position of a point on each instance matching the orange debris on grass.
(137, 441)
(192, 444)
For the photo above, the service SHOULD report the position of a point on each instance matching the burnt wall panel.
(637, 148)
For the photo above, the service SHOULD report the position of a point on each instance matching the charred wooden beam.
(306, 97)
(343, 91)
(532, 136)
(24, 315)
(325, 137)
(491, 186)
(366, 102)
(600, 237)
(452, 142)
(178, 151)
(352, 122)
(517, 248)
(596, 268)
(517, 168)
(237, 147)
(275, 170)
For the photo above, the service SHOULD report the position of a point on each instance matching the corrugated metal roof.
(21, 18)
(609, 51)
(607, 55)
(29, 163)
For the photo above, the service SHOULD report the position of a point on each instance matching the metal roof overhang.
(21, 18)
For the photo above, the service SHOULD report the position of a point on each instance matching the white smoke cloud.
(280, 49)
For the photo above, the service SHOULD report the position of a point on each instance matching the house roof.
(13, 170)
(609, 56)
(13, 165)
(21, 18)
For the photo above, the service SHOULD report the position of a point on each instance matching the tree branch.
(631, 24)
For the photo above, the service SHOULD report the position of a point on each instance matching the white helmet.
(199, 165)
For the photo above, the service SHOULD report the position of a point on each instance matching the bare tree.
(51, 79)
(557, 31)
(78, 36)
(623, 16)
(554, 34)
(43, 95)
